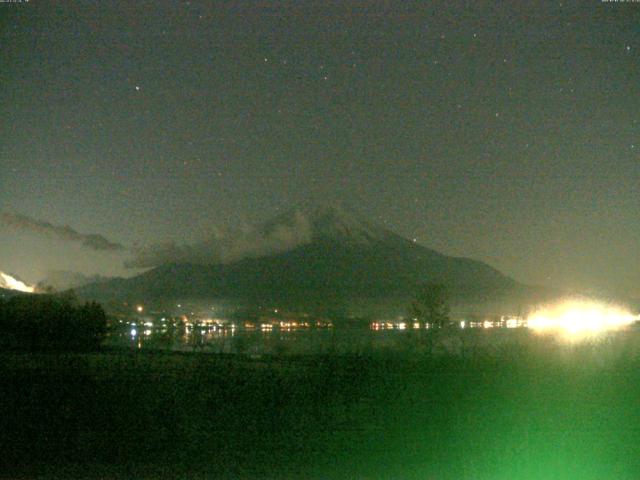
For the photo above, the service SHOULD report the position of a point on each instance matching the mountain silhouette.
(343, 258)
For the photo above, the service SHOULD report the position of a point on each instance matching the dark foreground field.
(530, 410)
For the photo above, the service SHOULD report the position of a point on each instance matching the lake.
(340, 339)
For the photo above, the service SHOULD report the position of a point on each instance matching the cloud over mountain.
(223, 248)
(91, 241)
(60, 280)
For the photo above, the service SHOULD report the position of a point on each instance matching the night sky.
(500, 131)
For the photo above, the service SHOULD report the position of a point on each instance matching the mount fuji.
(338, 258)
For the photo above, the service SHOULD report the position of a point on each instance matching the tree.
(51, 323)
(91, 325)
(430, 306)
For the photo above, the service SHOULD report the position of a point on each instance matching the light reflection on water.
(258, 341)
(337, 339)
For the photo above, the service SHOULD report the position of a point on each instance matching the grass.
(531, 409)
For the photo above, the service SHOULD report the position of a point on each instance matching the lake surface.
(342, 339)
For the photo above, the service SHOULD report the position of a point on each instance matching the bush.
(40, 323)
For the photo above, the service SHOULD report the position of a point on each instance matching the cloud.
(91, 241)
(228, 247)
(60, 280)
(219, 248)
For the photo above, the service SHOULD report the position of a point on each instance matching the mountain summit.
(331, 222)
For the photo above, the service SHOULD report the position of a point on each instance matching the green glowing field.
(528, 410)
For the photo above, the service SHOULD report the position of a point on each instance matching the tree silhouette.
(430, 306)
(51, 323)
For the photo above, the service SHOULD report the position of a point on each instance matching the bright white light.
(512, 323)
(133, 332)
(580, 318)
(12, 283)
